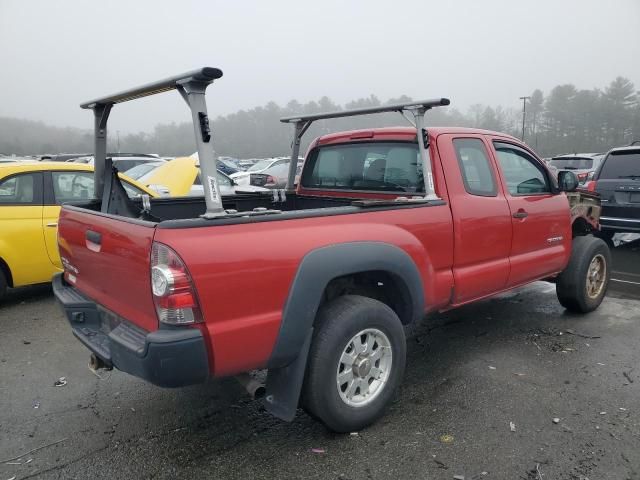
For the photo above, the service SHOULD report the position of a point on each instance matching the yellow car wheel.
(3, 285)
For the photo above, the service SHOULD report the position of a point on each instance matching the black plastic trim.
(167, 358)
(318, 268)
(295, 214)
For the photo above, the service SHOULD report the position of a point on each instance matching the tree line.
(565, 120)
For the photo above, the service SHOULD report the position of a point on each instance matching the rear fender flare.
(322, 265)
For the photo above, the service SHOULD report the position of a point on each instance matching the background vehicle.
(123, 163)
(582, 164)
(224, 164)
(143, 169)
(274, 176)
(372, 239)
(248, 162)
(63, 157)
(181, 177)
(30, 198)
(270, 173)
(617, 180)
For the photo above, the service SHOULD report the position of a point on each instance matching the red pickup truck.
(315, 284)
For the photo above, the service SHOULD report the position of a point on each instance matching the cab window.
(20, 189)
(523, 174)
(77, 186)
(375, 166)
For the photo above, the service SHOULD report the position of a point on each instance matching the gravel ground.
(518, 358)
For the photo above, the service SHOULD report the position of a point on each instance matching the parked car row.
(617, 180)
(582, 164)
(31, 194)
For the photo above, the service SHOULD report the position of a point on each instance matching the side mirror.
(567, 181)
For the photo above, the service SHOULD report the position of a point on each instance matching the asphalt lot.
(470, 372)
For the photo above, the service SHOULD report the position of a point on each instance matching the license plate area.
(108, 320)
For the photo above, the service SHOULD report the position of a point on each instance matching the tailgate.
(108, 259)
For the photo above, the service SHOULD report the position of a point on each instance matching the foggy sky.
(56, 54)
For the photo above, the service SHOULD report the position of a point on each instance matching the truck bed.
(184, 212)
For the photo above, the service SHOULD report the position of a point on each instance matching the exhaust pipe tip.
(96, 363)
(254, 388)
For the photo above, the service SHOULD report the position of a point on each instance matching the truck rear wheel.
(581, 287)
(356, 363)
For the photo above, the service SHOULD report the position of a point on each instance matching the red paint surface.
(243, 273)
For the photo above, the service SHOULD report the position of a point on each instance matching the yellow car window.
(73, 186)
(18, 189)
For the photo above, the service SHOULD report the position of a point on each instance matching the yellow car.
(181, 177)
(30, 197)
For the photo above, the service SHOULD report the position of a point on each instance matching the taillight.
(591, 186)
(270, 180)
(582, 177)
(173, 293)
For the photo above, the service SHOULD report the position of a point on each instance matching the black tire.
(571, 286)
(607, 236)
(337, 324)
(3, 285)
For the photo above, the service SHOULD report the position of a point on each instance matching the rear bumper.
(620, 224)
(168, 357)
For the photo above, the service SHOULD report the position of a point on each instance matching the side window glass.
(72, 186)
(77, 186)
(477, 172)
(19, 189)
(521, 172)
(224, 180)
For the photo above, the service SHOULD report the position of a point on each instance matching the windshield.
(261, 165)
(140, 170)
(572, 163)
(125, 165)
(623, 164)
(228, 163)
(377, 166)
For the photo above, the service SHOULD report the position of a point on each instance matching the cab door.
(540, 217)
(481, 217)
(21, 241)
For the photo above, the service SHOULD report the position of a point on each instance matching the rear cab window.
(572, 163)
(392, 167)
(621, 164)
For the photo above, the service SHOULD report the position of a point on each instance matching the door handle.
(52, 224)
(93, 240)
(93, 237)
(520, 214)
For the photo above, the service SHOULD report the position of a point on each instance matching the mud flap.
(284, 385)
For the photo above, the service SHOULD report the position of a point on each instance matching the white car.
(227, 186)
(244, 178)
(123, 164)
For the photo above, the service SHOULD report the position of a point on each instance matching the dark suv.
(617, 180)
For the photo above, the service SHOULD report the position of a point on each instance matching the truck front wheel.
(581, 287)
(356, 362)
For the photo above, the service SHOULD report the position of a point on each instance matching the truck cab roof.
(398, 134)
